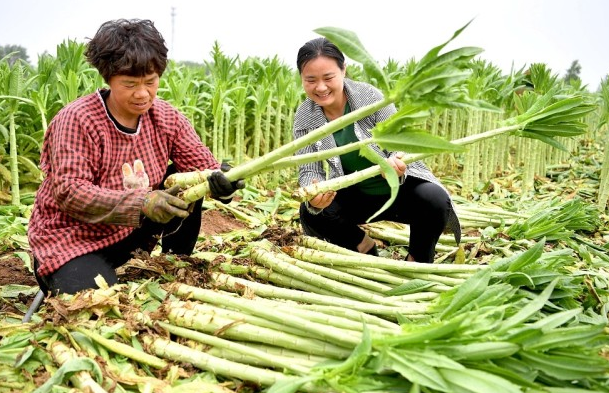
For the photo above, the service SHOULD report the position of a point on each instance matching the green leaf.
(567, 336)
(390, 175)
(291, 385)
(527, 258)
(567, 366)
(450, 57)
(467, 292)
(415, 141)
(348, 42)
(67, 369)
(527, 311)
(476, 381)
(414, 370)
(406, 116)
(411, 286)
(432, 55)
(419, 333)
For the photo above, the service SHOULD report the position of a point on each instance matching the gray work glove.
(162, 205)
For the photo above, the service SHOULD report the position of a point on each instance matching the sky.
(513, 33)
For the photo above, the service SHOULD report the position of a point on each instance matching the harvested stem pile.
(313, 317)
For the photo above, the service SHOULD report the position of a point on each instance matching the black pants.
(178, 236)
(423, 205)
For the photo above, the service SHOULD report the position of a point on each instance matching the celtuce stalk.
(181, 353)
(238, 285)
(81, 379)
(362, 260)
(124, 349)
(337, 336)
(286, 281)
(256, 165)
(222, 316)
(337, 274)
(235, 329)
(276, 264)
(310, 191)
(214, 341)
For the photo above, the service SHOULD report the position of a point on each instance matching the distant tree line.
(14, 52)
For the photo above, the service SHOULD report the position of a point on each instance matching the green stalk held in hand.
(433, 83)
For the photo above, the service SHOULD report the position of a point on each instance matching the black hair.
(319, 47)
(127, 47)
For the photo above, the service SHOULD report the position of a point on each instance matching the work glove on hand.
(162, 205)
(220, 187)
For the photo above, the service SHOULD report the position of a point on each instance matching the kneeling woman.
(422, 201)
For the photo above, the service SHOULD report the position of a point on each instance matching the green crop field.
(520, 305)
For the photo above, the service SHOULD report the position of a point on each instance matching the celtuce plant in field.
(434, 83)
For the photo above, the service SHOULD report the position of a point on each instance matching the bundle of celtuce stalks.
(314, 317)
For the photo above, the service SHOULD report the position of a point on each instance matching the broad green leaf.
(415, 141)
(414, 370)
(567, 366)
(527, 311)
(411, 286)
(528, 257)
(348, 42)
(291, 385)
(468, 291)
(449, 58)
(406, 116)
(553, 130)
(555, 320)
(66, 370)
(390, 176)
(356, 360)
(420, 333)
(443, 80)
(433, 53)
(567, 336)
(476, 381)
(477, 351)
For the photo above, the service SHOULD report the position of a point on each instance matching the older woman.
(105, 157)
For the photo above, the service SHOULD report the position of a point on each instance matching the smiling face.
(131, 96)
(322, 80)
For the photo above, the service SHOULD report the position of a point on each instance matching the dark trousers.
(178, 236)
(423, 205)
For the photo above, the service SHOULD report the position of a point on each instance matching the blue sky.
(513, 33)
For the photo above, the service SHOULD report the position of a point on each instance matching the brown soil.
(14, 271)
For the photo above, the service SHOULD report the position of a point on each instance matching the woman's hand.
(397, 164)
(321, 201)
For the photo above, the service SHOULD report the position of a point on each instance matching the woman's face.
(132, 96)
(322, 80)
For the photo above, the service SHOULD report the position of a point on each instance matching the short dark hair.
(127, 47)
(319, 47)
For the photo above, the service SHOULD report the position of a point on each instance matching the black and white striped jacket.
(309, 116)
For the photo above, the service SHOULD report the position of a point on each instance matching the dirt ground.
(13, 269)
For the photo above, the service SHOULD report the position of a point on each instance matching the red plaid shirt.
(82, 205)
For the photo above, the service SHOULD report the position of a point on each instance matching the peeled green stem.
(239, 330)
(256, 165)
(275, 263)
(238, 285)
(181, 353)
(214, 341)
(335, 335)
(124, 349)
(362, 260)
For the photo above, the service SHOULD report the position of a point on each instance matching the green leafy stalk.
(432, 84)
